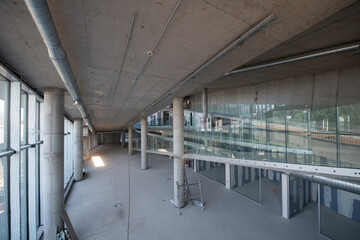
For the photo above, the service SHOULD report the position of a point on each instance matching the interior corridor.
(99, 206)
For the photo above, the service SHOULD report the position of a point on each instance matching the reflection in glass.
(300, 194)
(215, 171)
(339, 214)
(245, 180)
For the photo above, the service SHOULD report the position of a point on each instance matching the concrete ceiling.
(94, 33)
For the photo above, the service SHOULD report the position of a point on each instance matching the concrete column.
(123, 138)
(285, 195)
(78, 149)
(53, 160)
(144, 156)
(130, 140)
(227, 175)
(179, 165)
(162, 118)
(205, 102)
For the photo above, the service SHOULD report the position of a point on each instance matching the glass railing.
(277, 133)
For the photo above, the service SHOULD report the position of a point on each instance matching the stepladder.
(188, 197)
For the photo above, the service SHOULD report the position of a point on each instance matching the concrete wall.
(109, 138)
(323, 89)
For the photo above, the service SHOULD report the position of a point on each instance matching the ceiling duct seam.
(238, 42)
(41, 15)
(300, 57)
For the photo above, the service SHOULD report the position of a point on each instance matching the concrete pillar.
(205, 103)
(195, 165)
(179, 165)
(285, 195)
(78, 149)
(123, 138)
(162, 118)
(144, 156)
(53, 161)
(130, 140)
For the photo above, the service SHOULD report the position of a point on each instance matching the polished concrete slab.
(94, 205)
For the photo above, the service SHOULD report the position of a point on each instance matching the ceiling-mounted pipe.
(238, 42)
(41, 15)
(300, 57)
(335, 183)
(151, 52)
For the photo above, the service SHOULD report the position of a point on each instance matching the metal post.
(285, 195)
(32, 168)
(227, 175)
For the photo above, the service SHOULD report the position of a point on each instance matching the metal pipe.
(150, 54)
(300, 57)
(41, 15)
(7, 153)
(122, 60)
(26, 146)
(238, 42)
(37, 143)
(335, 183)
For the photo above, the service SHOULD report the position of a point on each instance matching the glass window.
(4, 112)
(339, 214)
(349, 139)
(298, 138)
(4, 170)
(23, 194)
(23, 119)
(4, 199)
(245, 180)
(323, 136)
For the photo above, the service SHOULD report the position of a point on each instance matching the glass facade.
(246, 180)
(28, 198)
(339, 214)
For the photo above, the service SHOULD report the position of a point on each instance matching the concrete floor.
(228, 215)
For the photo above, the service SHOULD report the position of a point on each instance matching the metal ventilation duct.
(335, 183)
(40, 12)
(305, 56)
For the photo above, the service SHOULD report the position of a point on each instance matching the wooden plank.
(69, 226)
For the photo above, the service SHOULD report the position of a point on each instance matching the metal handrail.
(7, 153)
(26, 146)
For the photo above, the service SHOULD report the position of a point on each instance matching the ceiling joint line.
(122, 62)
